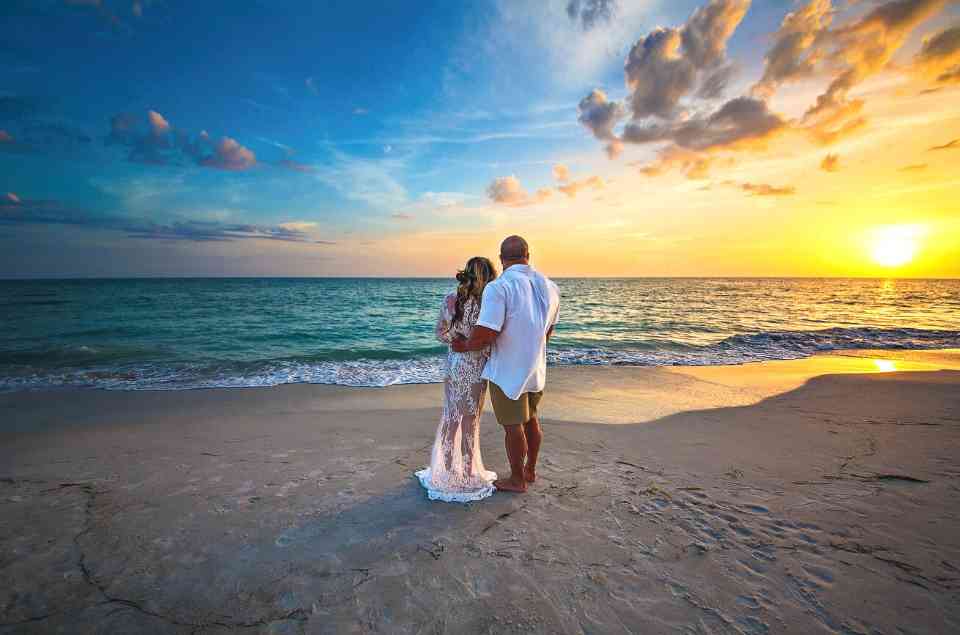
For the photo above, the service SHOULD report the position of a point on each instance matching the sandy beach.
(808, 496)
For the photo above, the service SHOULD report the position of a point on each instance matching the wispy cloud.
(374, 182)
(21, 211)
(763, 189)
(950, 145)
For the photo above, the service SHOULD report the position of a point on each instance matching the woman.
(456, 472)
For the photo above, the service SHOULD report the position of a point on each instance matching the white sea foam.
(738, 349)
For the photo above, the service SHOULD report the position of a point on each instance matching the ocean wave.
(427, 367)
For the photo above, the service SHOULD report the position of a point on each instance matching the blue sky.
(310, 138)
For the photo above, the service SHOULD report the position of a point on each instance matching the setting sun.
(895, 245)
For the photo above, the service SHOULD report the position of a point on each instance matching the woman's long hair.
(478, 272)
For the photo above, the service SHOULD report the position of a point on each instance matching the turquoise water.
(192, 333)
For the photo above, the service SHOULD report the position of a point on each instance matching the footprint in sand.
(821, 576)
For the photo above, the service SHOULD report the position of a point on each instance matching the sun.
(894, 245)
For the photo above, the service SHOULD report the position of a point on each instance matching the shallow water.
(191, 333)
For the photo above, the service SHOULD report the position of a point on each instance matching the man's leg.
(534, 436)
(516, 443)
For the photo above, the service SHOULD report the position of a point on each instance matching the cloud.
(402, 216)
(361, 111)
(739, 123)
(694, 165)
(158, 124)
(151, 144)
(714, 84)
(708, 29)
(857, 51)
(670, 73)
(31, 136)
(157, 142)
(290, 164)
(298, 226)
(830, 163)
(795, 51)
(209, 231)
(939, 57)
(590, 13)
(373, 182)
(51, 212)
(665, 66)
(573, 188)
(311, 85)
(763, 189)
(11, 198)
(913, 168)
(599, 115)
(228, 154)
(950, 145)
(507, 190)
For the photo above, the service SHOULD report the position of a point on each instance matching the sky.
(621, 138)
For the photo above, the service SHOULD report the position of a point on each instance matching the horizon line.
(375, 277)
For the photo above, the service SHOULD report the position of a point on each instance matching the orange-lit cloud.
(158, 124)
(830, 163)
(561, 173)
(795, 51)
(939, 58)
(230, 155)
(507, 190)
(763, 189)
(571, 189)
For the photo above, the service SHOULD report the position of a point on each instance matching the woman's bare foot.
(530, 474)
(509, 485)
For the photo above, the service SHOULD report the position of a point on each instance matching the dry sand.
(786, 497)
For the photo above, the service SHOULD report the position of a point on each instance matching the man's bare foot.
(508, 485)
(530, 474)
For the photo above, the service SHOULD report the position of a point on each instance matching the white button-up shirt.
(522, 305)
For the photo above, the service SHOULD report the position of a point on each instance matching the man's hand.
(480, 338)
(459, 344)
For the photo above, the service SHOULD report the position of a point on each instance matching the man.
(517, 316)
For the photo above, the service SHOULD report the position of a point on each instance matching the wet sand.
(819, 495)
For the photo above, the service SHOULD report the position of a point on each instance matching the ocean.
(173, 334)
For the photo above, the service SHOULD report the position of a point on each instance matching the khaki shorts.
(513, 412)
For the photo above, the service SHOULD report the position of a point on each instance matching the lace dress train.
(456, 472)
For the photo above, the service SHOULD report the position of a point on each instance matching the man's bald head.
(514, 249)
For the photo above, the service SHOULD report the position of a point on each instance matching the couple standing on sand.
(497, 329)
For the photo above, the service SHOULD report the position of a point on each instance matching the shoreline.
(895, 358)
(771, 497)
(655, 391)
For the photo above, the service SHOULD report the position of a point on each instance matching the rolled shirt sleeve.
(493, 308)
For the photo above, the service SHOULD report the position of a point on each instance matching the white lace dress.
(456, 472)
